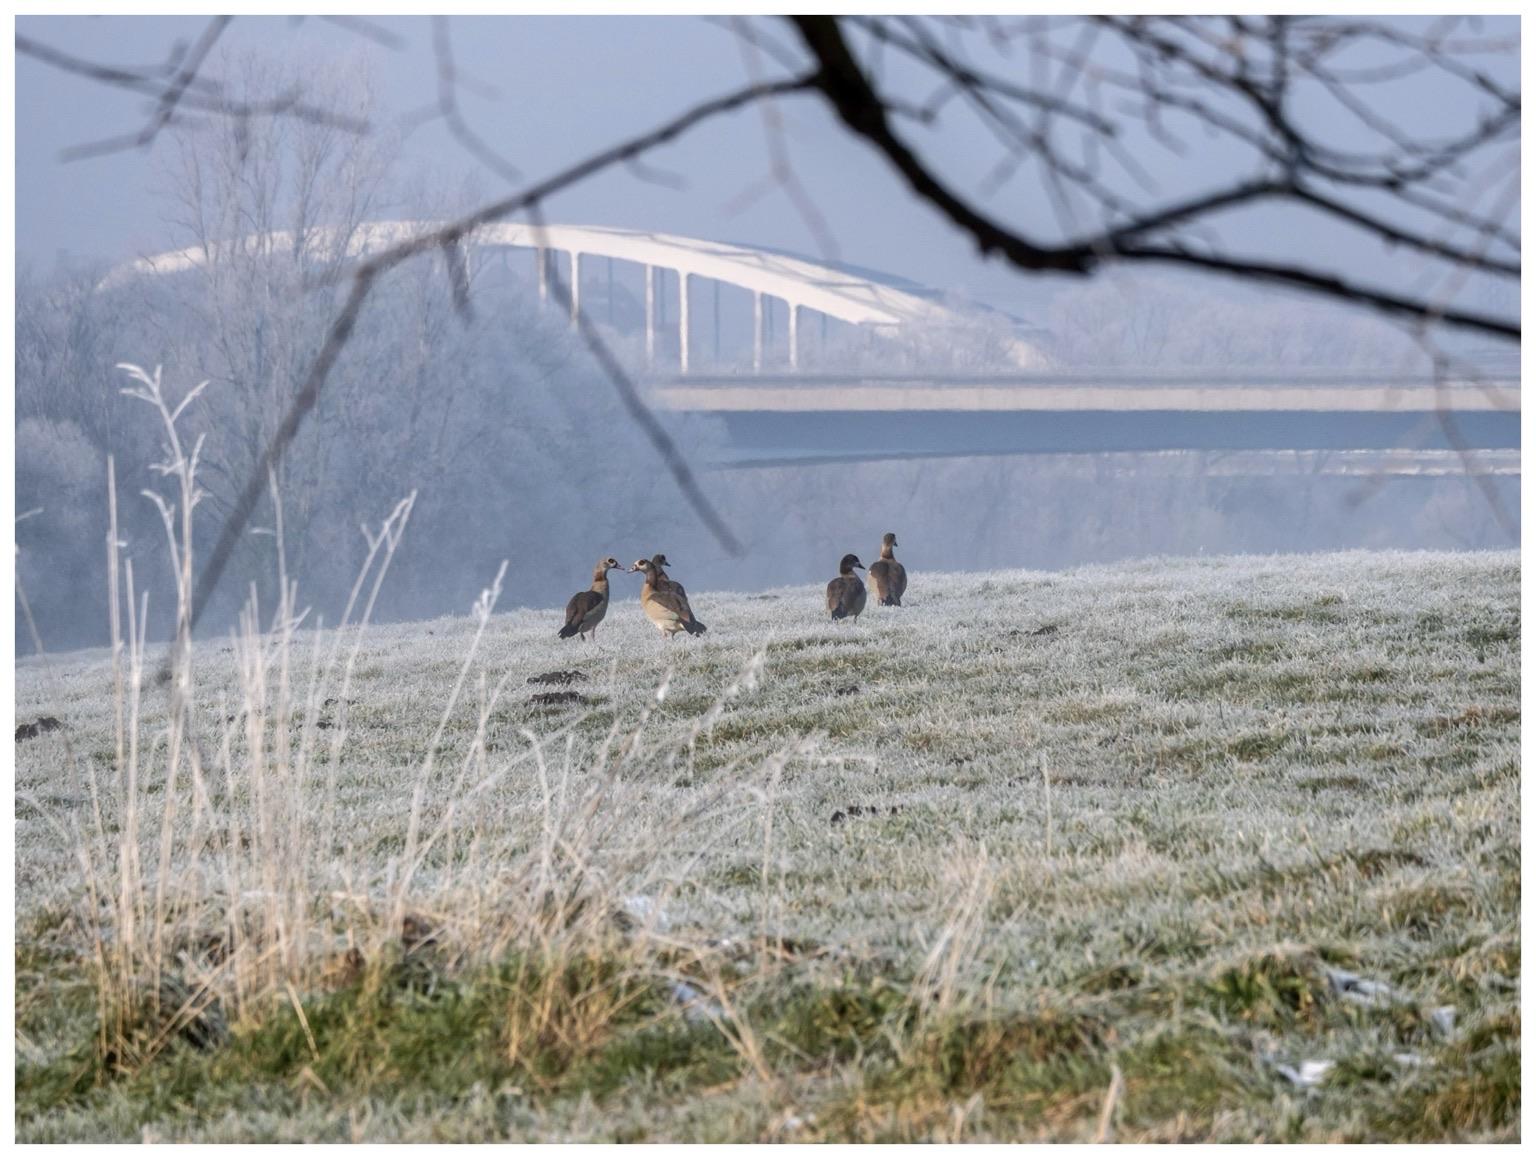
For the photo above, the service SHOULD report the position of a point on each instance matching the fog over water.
(501, 421)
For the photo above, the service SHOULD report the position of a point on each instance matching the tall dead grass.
(221, 881)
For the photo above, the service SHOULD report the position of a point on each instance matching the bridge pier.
(682, 321)
(650, 315)
(541, 263)
(575, 285)
(794, 335)
(757, 331)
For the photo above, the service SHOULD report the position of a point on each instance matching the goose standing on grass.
(664, 583)
(845, 594)
(668, 610)
(886, 576)
(587, 609)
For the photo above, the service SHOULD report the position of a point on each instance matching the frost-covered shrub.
(517, 446)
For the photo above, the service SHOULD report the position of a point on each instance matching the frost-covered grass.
(1104, 853)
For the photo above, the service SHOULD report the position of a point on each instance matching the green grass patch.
(1278, 988)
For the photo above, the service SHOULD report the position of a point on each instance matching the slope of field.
(1220, 849)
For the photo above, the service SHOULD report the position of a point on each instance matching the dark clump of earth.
(848, 811)
(35, 728)
(559, 676)
(558, 698)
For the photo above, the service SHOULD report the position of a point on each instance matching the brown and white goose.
(664, 582)
(845, 594)
(886, 576)
(668, 610)
(586, 609)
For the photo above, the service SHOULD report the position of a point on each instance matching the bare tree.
(272, 206)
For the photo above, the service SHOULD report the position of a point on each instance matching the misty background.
(503, 423)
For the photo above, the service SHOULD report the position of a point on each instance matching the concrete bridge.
(861, 298)
(808, 416)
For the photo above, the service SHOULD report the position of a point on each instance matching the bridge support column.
(575, 285)
(682, 321)
(757, 331)
(541, 263)
(794, 335)
(650, 315)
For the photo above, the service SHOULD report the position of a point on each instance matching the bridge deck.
(833, 420)
(734, 394)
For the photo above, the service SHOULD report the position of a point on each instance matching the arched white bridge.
(801, 284)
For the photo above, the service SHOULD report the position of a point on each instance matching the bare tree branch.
(865, 112)
(781, 172)
(186, 89)
(448, 82)
(369, 30)
(189, 70)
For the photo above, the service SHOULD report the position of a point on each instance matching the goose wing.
(845, 596)
(582, 605)
(670, 605)
(835, 594)
(880, 578)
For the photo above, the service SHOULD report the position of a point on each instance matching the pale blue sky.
(568, 86)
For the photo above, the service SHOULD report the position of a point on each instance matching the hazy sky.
(566, 87)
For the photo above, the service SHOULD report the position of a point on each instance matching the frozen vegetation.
(1216, 849)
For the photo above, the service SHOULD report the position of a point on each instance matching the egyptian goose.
(668, 610)
(587, 609)
(886, 576)
(845, 594)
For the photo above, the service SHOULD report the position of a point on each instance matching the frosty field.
(1216, 849)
